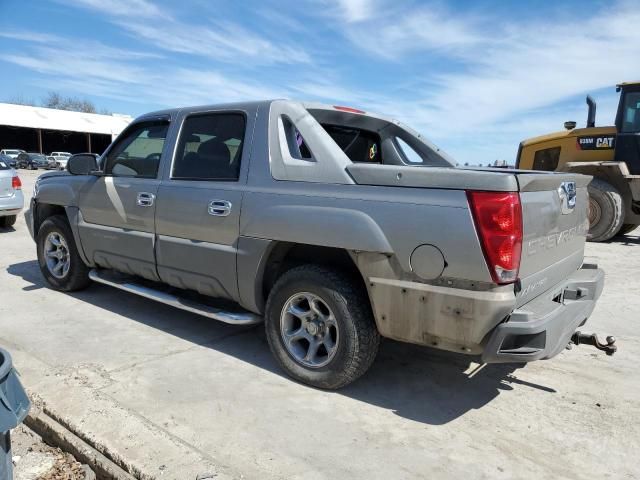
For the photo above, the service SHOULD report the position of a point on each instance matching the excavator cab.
(628, 127)
(610, 154)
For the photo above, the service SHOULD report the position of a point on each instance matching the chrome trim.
(233, 318)
(145, 199)
(219, 208)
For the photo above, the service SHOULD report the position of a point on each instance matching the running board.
(126, 284)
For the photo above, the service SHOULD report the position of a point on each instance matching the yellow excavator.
(610, 154)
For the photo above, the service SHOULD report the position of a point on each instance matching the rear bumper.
(11, 205)
(543, 327)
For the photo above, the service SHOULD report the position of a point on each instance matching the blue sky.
(474, 76)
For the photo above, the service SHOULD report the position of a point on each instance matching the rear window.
(546, 159)
(4, 164)
(359, 145)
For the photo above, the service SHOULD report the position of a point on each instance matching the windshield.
(36, 156)
(13, 152)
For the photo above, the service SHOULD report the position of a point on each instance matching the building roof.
(51, 119)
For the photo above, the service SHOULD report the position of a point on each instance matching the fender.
(316, 225)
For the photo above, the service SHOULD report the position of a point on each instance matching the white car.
(11, 152)
(11, 198)
(61, 158)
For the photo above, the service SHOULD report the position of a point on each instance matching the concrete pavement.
(168, 394)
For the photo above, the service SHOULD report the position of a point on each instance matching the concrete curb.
(56, 435)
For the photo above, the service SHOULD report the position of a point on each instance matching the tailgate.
(554, 229)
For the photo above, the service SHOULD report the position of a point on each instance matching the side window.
(138, 153)
(546, 159)
(297, 146)
(210, 147)
(409, 153)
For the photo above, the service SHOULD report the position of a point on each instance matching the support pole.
(39, 133)
(89, 142)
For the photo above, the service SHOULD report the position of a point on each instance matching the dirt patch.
(35, 460)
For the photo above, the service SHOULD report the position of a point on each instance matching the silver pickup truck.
(335, 226)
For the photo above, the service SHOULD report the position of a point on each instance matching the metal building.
(45, 130)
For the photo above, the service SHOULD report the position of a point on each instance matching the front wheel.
(320, 327)
(606, 211)
(58, 256)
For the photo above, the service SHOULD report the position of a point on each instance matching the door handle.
(219, 208)
(145, 199)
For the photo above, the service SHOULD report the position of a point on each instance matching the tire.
(347, 312)
(76, 276)
(606, 211)
(8, 221)
(627, 228)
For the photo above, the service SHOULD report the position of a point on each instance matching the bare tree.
(57, 101)
(20, 99)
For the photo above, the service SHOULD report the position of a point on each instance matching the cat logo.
(600, 142)
(604, 142)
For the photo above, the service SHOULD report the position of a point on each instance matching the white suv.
(11, 152)
(60, 158)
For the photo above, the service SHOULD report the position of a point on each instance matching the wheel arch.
(279, 257)
(42, 211)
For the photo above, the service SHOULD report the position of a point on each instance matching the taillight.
(498, 219)
(16, 183)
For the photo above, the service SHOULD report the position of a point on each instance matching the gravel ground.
(35, 460)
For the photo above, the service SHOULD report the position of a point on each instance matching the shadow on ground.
(627, 240)
(415, 382)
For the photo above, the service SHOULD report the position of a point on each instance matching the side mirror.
(82, 164)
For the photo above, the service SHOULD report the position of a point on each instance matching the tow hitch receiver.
(585, 339)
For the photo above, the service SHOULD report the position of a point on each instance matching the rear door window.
(210, 147)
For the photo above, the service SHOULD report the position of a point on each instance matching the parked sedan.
(8, 160)
(11, 198)
(31, 161)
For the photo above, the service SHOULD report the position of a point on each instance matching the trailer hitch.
(609, 348)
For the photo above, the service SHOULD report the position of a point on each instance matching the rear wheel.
(606, 211)
(8, 221)
(320, 327)
(58, 256)
(627, 228)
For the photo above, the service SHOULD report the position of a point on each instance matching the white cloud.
(496, 75)
(121, 8)
(425, 29)
(220, 40)
(91, 68)
(356, 10)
